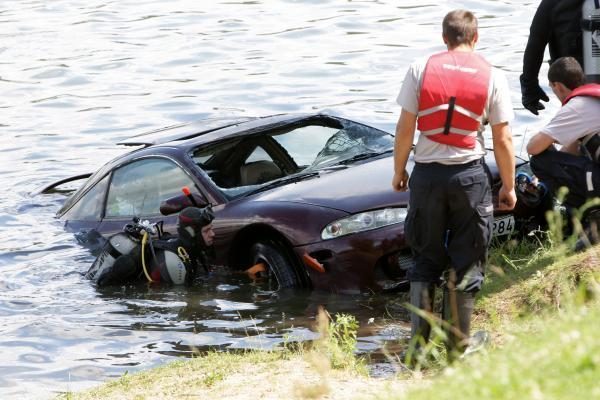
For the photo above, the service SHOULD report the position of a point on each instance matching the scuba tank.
(117, 261)
(590, 24)
(170, 263)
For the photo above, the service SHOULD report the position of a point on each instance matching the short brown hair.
(459, 27)
(567, 71)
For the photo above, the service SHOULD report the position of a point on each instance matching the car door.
(137, 189)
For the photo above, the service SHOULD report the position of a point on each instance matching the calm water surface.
(78, 76)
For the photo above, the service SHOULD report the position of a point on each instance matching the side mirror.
(177, 203)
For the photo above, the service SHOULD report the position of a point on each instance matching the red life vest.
(590, 144)
(590, 90)
(453, 96)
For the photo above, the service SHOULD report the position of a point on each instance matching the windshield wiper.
(364, 156)
(283, 181)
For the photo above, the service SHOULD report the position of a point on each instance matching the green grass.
(179, 378)
(554, 357)
(531, 276)
(541, 303)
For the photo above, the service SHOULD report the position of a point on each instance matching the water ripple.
(77, 77)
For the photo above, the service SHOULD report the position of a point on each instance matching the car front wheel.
(279, 271)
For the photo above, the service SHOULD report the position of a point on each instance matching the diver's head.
(194, 227)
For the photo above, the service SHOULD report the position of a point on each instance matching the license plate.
(504, 225)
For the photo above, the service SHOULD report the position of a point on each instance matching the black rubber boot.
(457, 311)
(591, 230)
(421, 296)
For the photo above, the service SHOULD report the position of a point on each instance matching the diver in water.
(195, 232)
(133, 255)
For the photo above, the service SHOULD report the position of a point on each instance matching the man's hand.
(506, 199)
(400, 181)
(531, 94)
(405, 133)
(505, 160)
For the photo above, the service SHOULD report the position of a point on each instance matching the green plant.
(431, 354)
(338, 340)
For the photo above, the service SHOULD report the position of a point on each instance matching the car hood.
(358, 187)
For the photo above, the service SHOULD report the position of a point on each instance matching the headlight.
(363, 222)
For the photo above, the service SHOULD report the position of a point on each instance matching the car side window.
(138, 188)
(89, 207)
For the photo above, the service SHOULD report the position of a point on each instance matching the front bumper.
(358, 262)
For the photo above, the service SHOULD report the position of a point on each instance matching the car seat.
(259, 172)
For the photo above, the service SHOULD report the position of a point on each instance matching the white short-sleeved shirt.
(576, 119)
(498, 109)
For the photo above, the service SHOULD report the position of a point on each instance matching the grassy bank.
(543, 310)
(328, 368)
(554, 357)
(539, 303)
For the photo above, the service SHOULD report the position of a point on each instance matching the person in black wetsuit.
(556, 24)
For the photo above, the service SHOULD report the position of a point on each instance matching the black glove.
(532, 93)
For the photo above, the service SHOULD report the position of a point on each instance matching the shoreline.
(543, 290)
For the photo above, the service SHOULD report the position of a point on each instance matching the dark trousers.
(579, 174)
(449, 221)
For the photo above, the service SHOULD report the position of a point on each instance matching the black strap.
(112, 251)
(590, 147)
(590, 24)
(451, 103)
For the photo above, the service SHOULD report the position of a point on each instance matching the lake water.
(78, 76)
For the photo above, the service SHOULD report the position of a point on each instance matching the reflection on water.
(78, 76)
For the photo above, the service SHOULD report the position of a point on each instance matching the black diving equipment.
(590, 147)
(191, 220)
(143, 252)
(186, 190)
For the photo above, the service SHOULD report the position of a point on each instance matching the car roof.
(182, 131)
(207, 130)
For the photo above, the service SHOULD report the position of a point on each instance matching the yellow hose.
(144, 239)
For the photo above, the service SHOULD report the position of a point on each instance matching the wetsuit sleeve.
(539, 36)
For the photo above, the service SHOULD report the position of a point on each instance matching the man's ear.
(560, 90)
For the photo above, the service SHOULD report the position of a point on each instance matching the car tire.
(280, 273)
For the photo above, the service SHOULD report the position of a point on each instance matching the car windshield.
(244, 164)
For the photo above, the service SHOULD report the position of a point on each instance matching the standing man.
(449, 98)
(556, 24)
(576, 127)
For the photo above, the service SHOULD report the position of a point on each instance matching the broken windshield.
(242, 164)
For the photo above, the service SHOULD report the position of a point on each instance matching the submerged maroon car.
(308, 196)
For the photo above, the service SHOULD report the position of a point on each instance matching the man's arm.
(405, 134)
(539, 36)
(505, 159)
(539, 143)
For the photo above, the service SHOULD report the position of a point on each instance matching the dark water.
(78, 76)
